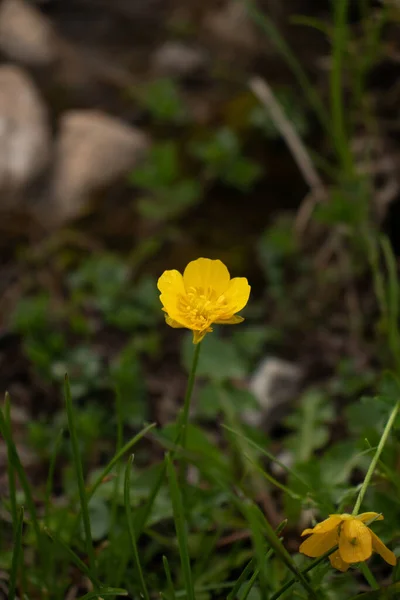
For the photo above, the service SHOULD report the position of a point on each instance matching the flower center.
(200, 306)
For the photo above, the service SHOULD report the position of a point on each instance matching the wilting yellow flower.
(356, 541)
(203, 295)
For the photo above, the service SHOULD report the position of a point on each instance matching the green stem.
(375, 459)
(136, 560)
(365, 570)
(184, 420)
(180, 437)
(79, 476)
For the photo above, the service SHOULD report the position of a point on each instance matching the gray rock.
(232, 26)
(25, 140)
(26, 35)
(175, 59)
(276, 385)
(93, 151)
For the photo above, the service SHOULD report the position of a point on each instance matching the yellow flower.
(204, 295)
(356, 541)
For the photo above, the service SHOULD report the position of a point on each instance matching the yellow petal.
(330, 523)
(237, 294)
(319, 543)
(231, 321)
(173, 323)
(199, 335)
(364, 517)
(355, 543)
(171, 287)
(379, 547)
(337, 562)
(207, 274)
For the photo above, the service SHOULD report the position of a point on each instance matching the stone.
(175, 59)
(26, 35)
(275, 385)
(93, 151)
(25, 138)
(231, 26)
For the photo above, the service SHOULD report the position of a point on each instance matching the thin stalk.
(242, 578)
(180, 527)
(10, 468)
(184, 420)
(365, 570)
(104, 593)
(19, 469)
(79, 476)
(17, 551)
(114, 502)
(180, 438)
(282, 553)
(170, 585)
(340, 29)
(83, 568)
(50, 476)
(127, 501)
(250, 585)
(375, 459)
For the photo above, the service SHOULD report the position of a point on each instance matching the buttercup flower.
(203, 295)
(356, 541)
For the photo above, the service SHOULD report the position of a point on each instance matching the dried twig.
(263, 92)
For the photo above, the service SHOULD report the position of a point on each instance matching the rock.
(25, 140)
(175, 59)
(275, 384)
(231, 25)
(26, 35)
(93, 151)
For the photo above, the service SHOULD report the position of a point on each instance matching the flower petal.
(207, 275)
(379, 547)
(231, 321)
(330, 523)
(237, 294)
(355, 542)
(173, 323)
(171, 287)
(364, 517)
(337, 562)
(319, 543)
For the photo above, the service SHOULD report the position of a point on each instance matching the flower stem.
(365, 570)
(184, 419)
(376, 457)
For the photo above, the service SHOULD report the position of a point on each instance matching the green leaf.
(162, 99)
(310, 421)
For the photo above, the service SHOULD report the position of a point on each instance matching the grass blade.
(104, 593)
(279, 42)
(79, 475)
(83, 568)
(258, 518)
(10, 468)
(170, 585)
(50, 476)
(180, 527)
(16, 555)
(127, 500)
(242, 578)
(20, 471)
(128, 446)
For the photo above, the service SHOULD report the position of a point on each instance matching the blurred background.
(137, 135)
